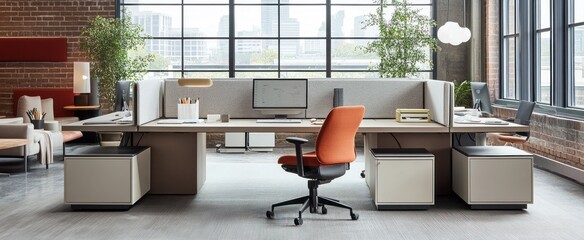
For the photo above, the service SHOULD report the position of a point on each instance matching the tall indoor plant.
(404, 40)
(113, 46)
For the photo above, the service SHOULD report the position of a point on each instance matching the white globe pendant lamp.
(452, 33)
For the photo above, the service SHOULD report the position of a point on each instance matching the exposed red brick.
(45, 18)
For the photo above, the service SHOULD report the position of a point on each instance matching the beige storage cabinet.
(493, 177)
(109, 177)
(402, 178)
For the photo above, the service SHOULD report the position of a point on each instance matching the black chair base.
(312, 202)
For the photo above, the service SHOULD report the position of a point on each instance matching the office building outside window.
(260, 38)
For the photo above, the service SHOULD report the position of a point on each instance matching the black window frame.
(329, 70)
(561, 89)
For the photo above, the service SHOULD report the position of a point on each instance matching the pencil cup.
(38, 124)
(188, 111)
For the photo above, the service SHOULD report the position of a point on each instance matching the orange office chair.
(334, 150)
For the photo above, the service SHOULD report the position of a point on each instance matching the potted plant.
(404, 40)
(462, 94)
(115, 47)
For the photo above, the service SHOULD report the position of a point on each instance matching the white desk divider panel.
(148, 100)
(438, 97)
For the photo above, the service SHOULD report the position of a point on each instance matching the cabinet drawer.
(94, 180)
(408, 181)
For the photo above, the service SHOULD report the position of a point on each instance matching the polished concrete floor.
(241, 187)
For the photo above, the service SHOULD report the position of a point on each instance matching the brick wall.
(557, 138)
(491, 38)
(45, 18)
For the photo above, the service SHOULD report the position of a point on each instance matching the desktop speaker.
(338, 97)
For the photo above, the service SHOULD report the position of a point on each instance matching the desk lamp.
(195, 82)
(81, 83)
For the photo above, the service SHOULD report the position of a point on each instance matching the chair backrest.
(523, 115)
(335, 143)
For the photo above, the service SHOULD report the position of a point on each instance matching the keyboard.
(278, 121)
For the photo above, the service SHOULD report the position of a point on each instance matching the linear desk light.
(81, 82)
(195, 82)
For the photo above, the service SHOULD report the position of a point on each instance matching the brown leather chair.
(334, 150)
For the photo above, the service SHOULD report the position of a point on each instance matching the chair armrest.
(298, 146)
(296, 140)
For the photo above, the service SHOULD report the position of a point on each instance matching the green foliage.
(462, 94)
(404, 39)
(265, 57)
(116, 48)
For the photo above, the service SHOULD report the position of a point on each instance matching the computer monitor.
(280, 97)
(122, 95)
(480, 96)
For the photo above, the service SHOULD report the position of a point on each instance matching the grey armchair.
(15, 128)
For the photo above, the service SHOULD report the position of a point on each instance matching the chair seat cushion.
(71, 135)
(512, 139)
(309, 159)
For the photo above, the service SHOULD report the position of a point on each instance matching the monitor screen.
(480, 96)
(280, 94)
(122, 94)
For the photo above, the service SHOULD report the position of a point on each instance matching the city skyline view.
(265, 39)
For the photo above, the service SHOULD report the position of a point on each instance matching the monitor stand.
(280, 116)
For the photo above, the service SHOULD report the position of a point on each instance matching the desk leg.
(178, 161)
(481, 139)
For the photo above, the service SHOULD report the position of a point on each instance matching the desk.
(85, 112)
(12, 143)
(481, 129)
(113, 127)
(174, 146)
(178, 158)
(250, 125)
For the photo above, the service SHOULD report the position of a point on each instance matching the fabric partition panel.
(438, 97)
(381, 97)
(226, 96)
(33, 49)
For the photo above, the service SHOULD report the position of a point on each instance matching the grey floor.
(241, 187)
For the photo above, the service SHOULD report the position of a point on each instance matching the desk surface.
(480, 127)
(250, 125)
(109, 127)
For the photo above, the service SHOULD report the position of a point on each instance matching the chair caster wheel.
(297, 221)
(324, 210)
(363, 174)
(354, 216)
(270, 214)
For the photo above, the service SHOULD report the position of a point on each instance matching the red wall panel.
(24, 49)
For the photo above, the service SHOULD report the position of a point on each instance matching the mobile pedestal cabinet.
(106, 177)
(493, 177)
(402, 178)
